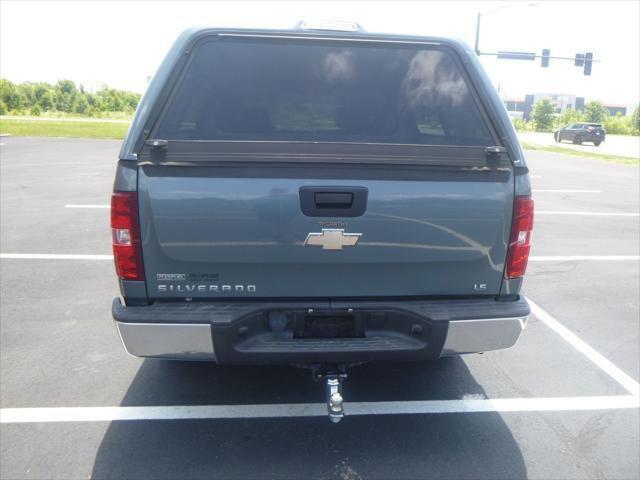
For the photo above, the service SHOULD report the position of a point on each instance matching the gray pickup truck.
(320, 198)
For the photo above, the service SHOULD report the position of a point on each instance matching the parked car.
(581, 132)
(321, 199)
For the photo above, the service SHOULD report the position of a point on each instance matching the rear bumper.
(185, 341)
(264, 333)
(592, 137)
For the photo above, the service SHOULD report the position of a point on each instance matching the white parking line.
(599, 360)
(553, 190)
(86, 206)
(53, 256)
(578, 258)
(181, 412)
(594, 214)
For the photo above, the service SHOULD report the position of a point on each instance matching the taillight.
(520, 239)
(127, 250)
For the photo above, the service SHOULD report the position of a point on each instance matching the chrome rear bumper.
(179, 341)
(190, 341)
(482, 335)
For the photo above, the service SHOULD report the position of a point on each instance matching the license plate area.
(328, 325)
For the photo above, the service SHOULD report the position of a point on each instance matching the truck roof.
(307, 30)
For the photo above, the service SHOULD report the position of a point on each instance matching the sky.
(121, 43)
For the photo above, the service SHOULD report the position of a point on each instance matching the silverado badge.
(332, 239)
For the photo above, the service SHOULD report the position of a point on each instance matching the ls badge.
(332, 239)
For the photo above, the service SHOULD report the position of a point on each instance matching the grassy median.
(54, 128)
(577, 153)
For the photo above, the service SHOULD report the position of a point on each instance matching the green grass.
(56, 114)
(49, 128)
(577, 153)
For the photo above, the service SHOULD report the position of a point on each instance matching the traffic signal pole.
(585, 60)
(477, 49)
(580, 60)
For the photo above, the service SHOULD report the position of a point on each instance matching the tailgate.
(208, 233)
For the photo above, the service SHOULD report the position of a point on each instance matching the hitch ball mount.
(333, 380)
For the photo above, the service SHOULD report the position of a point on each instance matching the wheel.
(597, 143)
(577, 140)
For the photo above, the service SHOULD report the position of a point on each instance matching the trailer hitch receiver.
(333, 384)
(335, 402)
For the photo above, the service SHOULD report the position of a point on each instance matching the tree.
(619, 124)
(45, 100)
(26, 92)
(595, 112)
(81, 105)
(43, 96)
(569, 116)
(67, 86)
(543, 115)
(519, 124)
(10, 95)
(65, 95)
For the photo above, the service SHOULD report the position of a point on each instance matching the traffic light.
(546, 53)
(579, 62)
(588, 58)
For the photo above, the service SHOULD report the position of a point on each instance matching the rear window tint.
(242, 90)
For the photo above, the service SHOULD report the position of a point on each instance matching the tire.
(597, 143)
(577, 140)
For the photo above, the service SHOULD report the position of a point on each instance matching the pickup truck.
(319, 198)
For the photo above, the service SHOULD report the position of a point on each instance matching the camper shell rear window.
(236, 89)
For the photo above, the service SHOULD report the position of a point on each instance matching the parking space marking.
(594, 214)
(86, 206)
(576, 258)
(184, 412)
(553, 190)
(53, 256)
(588, 351)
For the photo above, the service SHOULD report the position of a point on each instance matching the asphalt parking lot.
(562, 404)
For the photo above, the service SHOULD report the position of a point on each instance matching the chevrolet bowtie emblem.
(332, 239)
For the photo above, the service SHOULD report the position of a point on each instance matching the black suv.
(581, 132)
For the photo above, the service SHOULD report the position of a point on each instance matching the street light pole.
(477, 50)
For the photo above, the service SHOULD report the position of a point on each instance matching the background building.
(522, 107)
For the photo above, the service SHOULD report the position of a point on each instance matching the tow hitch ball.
(335, 401)
(334, 398)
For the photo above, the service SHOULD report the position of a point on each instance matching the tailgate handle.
(333, 201)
